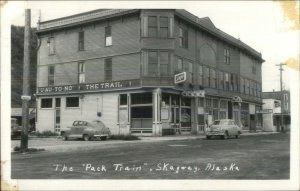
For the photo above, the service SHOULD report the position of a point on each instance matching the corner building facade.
(118, 66)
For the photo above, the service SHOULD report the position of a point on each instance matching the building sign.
(89, 87)
(181, 77)
(264, 111)
(196, 93)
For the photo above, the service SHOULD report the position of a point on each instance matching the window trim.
(158, 72)
(183, 38)
(50, 75)
(157, 34)
(226, 55)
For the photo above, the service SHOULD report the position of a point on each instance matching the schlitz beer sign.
(92, 87)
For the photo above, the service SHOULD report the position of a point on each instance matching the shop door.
(252, 123)
(175, 118)
(57, 115)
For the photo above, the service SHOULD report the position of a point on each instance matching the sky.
(263, 25)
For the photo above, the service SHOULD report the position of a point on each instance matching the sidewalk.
(55, 144)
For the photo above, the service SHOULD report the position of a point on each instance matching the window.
(165, 98)
(252, 88)
(81, 40)
(201, 102)
(51, 45)
(223, 104)
(243, 87)
(179, 64)
(258, 89)
(208, 103)
(231, 82)
(247, 86)
(164, 63)
(108, 69)
(200, 71)
(226, 81)
(183, 37)
(108, 36)
(57, 102)
(206, 76)
(255, 89)
(123, 99)
(213, 78)
(158, 63)
(188, 67)
(152, 26)
(254, 68)
(226, 56)
(164, 27)
(153, 63)
(221, 80)
(81, 72)
(236, 83)
(215, 103)
(72, 102)
(46, 103)
(51, 75)
(141, 98)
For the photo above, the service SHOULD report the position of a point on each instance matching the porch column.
(157, 126)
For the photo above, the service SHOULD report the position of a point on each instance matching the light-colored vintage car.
(16, 130)
(224, 128)
(86, 130)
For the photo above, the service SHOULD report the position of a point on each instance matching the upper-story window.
(183, 37)
(108, 69)
(254, 68)
(164, 27)
(206, 80)
(226, 56)
(243, 87)
(221, 80)
(226, 81)
(247, 84)
(81, 40)
(152, 26)
(179, 64)
(108, 36)
(51, 71)
(81, 72)
(200, 72)
(51, 45)
(158, 63)
(213, 78)
(188, 67)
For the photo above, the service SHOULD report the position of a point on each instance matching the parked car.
(16, 130)
(223, 128)
(86, 130)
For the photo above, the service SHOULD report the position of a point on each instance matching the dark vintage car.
(224, 128)
(86, 130)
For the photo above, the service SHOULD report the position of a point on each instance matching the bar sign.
(181, 77)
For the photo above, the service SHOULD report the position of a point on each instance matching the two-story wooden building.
(118, 66)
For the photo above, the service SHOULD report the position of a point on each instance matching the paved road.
(251, 157)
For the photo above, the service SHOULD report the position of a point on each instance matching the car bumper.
(101, 135)
(217, 133)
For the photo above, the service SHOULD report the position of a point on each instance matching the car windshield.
(221, 122)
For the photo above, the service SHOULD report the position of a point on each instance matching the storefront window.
(123, 99)
(185, 117)
(46, 103)
(72, 102)
(141, 98)
(166, 98)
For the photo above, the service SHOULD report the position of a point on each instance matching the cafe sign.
(88, 87)
(181, 77)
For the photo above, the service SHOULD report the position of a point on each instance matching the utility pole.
(281, 94)
(26, 94)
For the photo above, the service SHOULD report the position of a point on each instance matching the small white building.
(271, 114)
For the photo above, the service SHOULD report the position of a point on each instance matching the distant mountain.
(17, 52)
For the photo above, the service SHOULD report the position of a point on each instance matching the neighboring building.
(119, 65)
(16, 112)
(273, 104)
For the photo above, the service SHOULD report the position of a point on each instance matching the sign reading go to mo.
(181, 77)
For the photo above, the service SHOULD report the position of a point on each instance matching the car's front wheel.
(208, 137)
(64, 136)
(103, 138)
(225, 136)
(86, 137)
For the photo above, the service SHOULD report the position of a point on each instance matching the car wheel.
(86, 138)
(64, 136)
(225, 136)
(103, 138)
(208, 137)
(238, 135)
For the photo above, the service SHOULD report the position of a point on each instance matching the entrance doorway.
(175, 118)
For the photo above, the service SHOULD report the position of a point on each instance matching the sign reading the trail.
(181, 77)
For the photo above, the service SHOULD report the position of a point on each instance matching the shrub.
(124, 137)
(44, 134)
